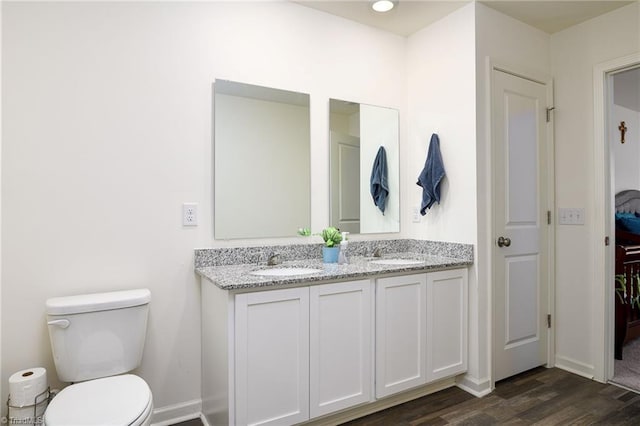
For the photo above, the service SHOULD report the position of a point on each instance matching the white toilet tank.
(97, 335)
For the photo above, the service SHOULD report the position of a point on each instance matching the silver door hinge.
(549, 113)
(548, 217)
(548, 320)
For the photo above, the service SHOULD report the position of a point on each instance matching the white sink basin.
(397, 262)
(285, 272)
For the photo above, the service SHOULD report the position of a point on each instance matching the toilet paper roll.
(27, 413)
(26, 385)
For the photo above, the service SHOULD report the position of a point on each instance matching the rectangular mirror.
(261, 161)
(357, 134)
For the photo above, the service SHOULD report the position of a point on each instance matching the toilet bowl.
(95, 340)
(119, 400)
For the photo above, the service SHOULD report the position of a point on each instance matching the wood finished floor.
(538, 397)
(194, 422)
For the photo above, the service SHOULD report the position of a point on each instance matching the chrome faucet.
(377, 252)
(274, 259)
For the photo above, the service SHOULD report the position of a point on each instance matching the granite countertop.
(238, 276)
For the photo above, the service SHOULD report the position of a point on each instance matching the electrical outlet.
(416, 214)
(190, 214)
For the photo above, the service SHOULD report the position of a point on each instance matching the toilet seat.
(124, 400)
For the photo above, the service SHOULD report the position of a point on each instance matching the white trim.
(474, 386)
(527, 74)
(574, 366)
(176, 413)
(1, 7)
(204, 421)
(551, 237)
(603, 266)
(489, 218)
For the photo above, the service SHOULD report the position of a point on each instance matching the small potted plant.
(331, 248)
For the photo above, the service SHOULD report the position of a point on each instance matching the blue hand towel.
(379, 183)
(431, 176)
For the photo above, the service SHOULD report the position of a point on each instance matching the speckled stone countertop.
(217, 267)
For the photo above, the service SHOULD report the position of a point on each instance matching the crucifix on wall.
(623, 130)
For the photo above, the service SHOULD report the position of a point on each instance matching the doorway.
(522, 188)
(604, 224)
(623, 124)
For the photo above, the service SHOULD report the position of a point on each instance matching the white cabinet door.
(340, 346)
(272, 357)
(400, 333)
(446, 323)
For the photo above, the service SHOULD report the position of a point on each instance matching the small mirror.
(261, 161)
(360, 135)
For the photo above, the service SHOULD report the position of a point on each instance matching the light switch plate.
(571, 216)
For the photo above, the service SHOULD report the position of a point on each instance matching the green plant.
(331, 236)
(621, 289)
(305, 232)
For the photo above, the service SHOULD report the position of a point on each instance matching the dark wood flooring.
(538, 397)
(194, 422)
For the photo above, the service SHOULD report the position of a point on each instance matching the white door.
(345, 182)
(520, 224)
(447, 296)
(272, 357)
(400, 333)
(341, 352)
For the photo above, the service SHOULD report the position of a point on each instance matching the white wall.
(441, 99)
(107, 131)
(510, 42)
(574, 53)
(625, 156)
(440, 93)
(1, 382)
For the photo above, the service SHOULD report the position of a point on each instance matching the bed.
(627, 269)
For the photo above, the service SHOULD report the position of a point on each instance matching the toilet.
(95, 340)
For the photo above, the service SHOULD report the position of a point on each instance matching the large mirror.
(261, 161)
(365, 167)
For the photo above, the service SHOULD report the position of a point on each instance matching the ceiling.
(410, 16)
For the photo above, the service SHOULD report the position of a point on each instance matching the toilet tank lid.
(97, 302)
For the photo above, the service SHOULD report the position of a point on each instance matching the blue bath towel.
(431, 176)
(379, 183)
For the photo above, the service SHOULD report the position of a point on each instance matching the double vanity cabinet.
(289, 354)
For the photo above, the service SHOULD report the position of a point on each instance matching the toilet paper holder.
(44, 396)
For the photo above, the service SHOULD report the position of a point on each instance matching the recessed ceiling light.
(383, 5)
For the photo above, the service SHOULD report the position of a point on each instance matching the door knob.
(504, 241)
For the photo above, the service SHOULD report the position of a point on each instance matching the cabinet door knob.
(504, 241)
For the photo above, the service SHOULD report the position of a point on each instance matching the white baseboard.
(204, 420)
(575, 367)
(474, 386)
(171, 414)
(380, 404)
